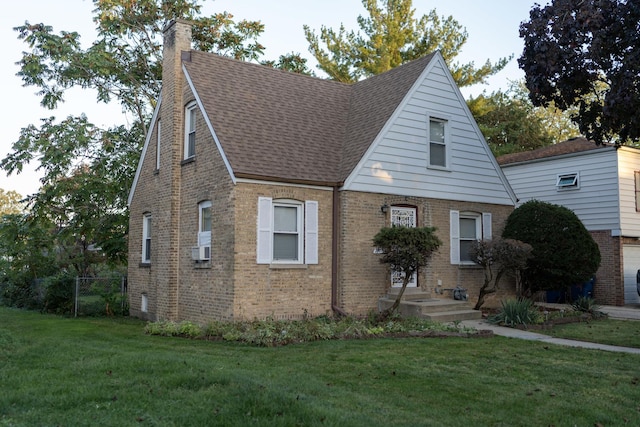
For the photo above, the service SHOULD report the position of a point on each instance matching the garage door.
(631, 259)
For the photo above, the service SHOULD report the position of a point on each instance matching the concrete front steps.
(416, 303)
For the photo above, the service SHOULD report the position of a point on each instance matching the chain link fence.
(100, 296)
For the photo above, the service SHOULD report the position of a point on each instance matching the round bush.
(564, 253)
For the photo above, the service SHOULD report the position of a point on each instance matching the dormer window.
(567, 181)
(190, 131)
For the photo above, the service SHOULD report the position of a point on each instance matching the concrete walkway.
(623, 313)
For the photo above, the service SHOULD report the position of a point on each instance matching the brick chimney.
(177, 39)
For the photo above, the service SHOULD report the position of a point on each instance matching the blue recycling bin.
(583, 289)
(556, 296)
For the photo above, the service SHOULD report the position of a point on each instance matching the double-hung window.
(466, 228)
(158, 138)
(190, 130)
(204, 223)
(287, 231)
(438, 143)
(146, 238)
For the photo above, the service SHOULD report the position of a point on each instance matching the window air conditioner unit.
(201, 253)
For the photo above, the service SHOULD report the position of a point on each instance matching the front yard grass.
(86, 372)
(625, 333)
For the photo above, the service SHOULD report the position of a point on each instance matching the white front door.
(405, 217)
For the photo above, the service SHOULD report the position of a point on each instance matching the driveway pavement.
(623, 313)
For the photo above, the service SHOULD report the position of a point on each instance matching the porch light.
(384, 208)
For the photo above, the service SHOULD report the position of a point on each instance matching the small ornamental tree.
(499, 257)
(405, 249)
(564, 253)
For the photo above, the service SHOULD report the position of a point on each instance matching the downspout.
(334, 252)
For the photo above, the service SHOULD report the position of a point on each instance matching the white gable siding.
(595, 202)
(628, 162)
(396, 163)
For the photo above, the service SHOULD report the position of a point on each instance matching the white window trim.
(299, 229)
(568, 181)
(447, 142)
(146, 236)
(483, 231)
(307, 231)
(158, 138)
(189, 111)
(144, 303)
(204, 236)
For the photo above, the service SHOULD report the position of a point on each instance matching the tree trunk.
(396, 304)
(483, 292)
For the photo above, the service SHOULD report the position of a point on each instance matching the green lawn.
(624, 333)
(87, 372)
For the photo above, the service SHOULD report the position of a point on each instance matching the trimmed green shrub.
(405, 249)
(564, 253)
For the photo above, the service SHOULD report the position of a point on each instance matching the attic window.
(567, 181)
(438, 134)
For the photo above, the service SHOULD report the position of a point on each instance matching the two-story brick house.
(259, 191)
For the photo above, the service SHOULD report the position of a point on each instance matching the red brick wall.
(609, 287)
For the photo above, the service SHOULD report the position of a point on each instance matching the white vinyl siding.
(146, 238)
(464, 229)
(287, 232)
(628, 162)
(398, 160)
(597, 203)
(190, 130)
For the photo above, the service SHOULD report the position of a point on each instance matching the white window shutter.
(454, 234)
(264, 245)
(486, 226)
(311, 232)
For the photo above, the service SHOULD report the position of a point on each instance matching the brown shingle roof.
(574, 145)
(372, 102)
(274, 124)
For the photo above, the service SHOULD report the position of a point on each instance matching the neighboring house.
(259, 191)
(601, 184)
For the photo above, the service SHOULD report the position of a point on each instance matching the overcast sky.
(492, 26)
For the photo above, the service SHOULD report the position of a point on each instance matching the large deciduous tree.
(10, 202)
(389, 37)
(87, 170)
(511, 123)
(586, 53)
